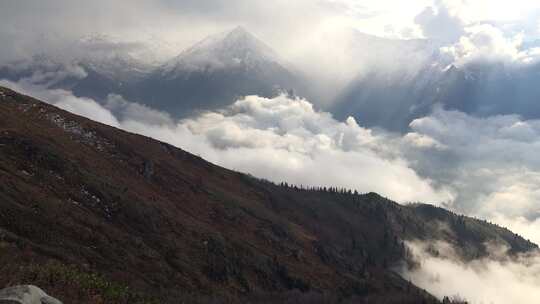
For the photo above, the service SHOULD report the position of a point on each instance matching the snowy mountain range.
(396, 80)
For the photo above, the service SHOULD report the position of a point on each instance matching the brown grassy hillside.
(93, 214)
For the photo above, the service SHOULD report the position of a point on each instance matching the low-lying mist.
(497, 278)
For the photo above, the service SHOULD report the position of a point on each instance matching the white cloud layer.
(497, 279)
(280, 139)
(487, 43)
(284, 139)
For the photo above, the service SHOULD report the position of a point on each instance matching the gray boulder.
(25, 294)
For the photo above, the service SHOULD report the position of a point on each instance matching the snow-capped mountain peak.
(232, 49)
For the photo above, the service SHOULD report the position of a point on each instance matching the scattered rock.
(26, 294)
(78, 132)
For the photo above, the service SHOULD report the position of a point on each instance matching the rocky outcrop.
(26, 294)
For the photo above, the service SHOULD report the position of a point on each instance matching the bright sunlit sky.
(380, 17)
(279, 22)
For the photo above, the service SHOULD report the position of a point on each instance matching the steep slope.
(213, 73)
(87, 211)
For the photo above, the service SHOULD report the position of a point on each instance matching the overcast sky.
(286, 25)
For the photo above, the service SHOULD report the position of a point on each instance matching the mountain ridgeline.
(93, 214)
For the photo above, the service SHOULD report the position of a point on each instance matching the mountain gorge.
(93, 214)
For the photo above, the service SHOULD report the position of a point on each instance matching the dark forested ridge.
(93, 214)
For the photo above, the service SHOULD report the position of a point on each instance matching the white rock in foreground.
(26, 294)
